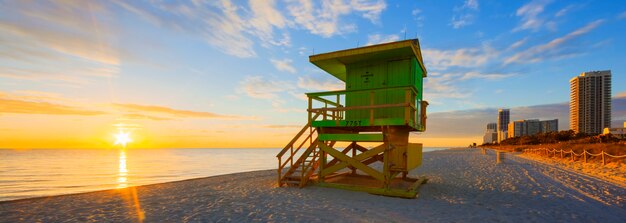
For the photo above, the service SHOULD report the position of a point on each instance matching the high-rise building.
(531, 127)
(504, 117)
(516, 129)
(590, 102)
(491, 134)
(492, 126)
(550, 125)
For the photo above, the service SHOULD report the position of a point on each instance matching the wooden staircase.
(300, 163)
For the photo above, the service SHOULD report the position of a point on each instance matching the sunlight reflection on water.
(122, 182)
(44, 172)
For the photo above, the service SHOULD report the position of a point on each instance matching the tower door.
(398, 75)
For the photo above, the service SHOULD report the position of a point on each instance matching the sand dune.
(464, 186)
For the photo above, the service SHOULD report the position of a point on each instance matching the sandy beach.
(463, 186)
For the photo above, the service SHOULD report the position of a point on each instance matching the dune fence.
(584, 155)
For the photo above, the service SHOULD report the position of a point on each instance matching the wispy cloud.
(259, 87)
(378, 38)
(464, 57)
(552, 49)
(319, 84)
(518, 43)
(622, 15)
(171, 111)
(464, 14)
(443, 86)
(34, 105)
(138, 116)
(530, 14)
(488, 76)
(236, 29)
(54, 36)
(568, 9)
(283, 65)
(325, 21)
(282, 126)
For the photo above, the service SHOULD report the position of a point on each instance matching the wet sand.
(463, 186)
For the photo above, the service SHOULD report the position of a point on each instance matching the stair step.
(352, 137)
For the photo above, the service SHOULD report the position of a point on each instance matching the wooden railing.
(293, 150)
(333, 109)
(584, 154)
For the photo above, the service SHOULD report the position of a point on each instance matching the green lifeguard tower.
(382, 102)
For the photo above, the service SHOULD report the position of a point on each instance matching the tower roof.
(335, 62)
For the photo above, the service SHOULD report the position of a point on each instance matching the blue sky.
(244, 64)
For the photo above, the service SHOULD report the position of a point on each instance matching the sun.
(122, 138)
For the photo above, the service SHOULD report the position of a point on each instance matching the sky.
(232, 74)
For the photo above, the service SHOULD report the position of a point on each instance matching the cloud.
(461, 20)
(471, 4)
(477, 75)
(416, 11)
(170, 111)
(282, 126)
(446, 124)
(318, 84)
(219, 23)
(9, 104)
(325, 21)
(621, 15)
(568, 9)
(378, 38)
(265, 17)
(518, 43)
(63, 41)
(138, 116)
(283, 65)
(441, 86)
(464, 57)
(552, 49)
(530, 15)
(465, 14)
(258, 87)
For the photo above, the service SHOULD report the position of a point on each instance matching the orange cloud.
(30, 107)
(171, 111)
(142, 116)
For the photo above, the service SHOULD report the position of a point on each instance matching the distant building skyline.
(590, 102)
(530, 127)
(491, 133)
(504, 116)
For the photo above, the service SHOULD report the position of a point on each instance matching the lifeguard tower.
(382, 102)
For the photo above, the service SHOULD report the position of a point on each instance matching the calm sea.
(44, 172)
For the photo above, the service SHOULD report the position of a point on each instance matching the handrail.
(340, 92)
(364, 107)
(281, 153)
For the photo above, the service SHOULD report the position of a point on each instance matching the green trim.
(359, 122)
(351, 137)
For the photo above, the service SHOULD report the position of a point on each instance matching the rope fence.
(584, 154)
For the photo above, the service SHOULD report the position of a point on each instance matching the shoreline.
(464, 185)
(200, 177)
(130, 187)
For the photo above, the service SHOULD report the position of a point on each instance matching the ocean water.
(45, 172)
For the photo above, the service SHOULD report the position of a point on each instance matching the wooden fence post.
(585, 155)
(571, 154)
(561, 153)
(603, 160)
